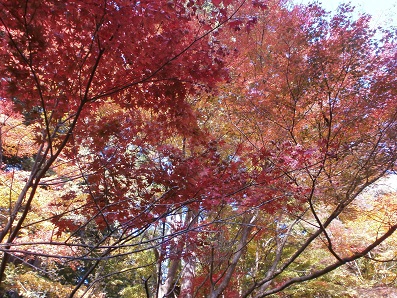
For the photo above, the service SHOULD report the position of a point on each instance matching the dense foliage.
(195, 149)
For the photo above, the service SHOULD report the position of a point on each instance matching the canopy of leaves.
(197, 148)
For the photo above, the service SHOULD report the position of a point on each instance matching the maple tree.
(309, 96)
(103, 98)
(66, 60)
(170, 141)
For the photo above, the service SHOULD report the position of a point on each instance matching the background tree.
(308, 96)
(291, 126)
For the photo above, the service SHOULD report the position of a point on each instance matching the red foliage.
(113, 89)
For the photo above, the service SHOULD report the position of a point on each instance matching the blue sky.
(384, 12)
